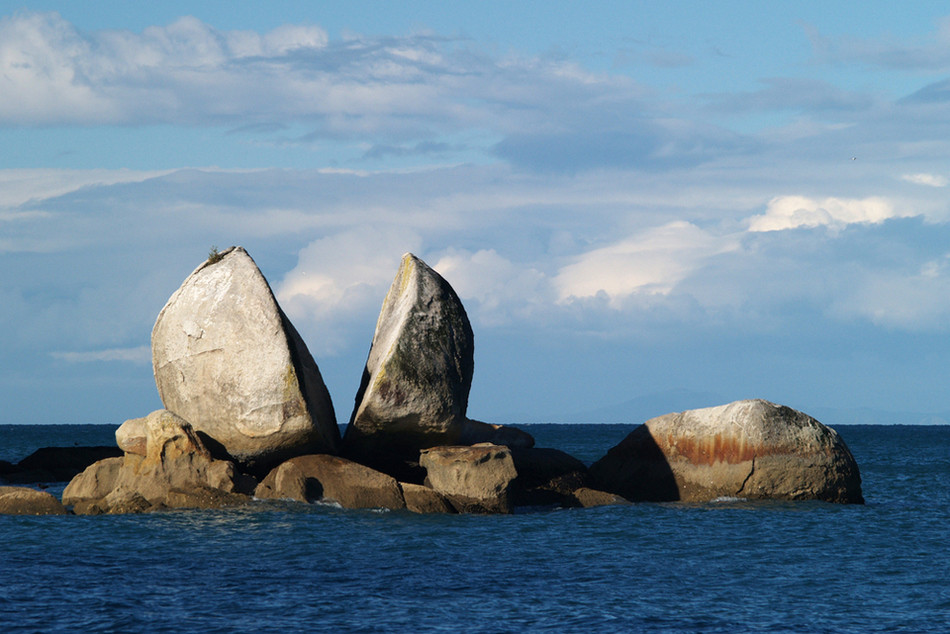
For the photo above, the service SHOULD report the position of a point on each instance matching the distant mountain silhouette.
(832, 416)
(642, 408)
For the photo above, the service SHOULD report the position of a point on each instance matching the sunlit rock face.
(750, 449)
(415, 387)
(227, 360)
(176, 470)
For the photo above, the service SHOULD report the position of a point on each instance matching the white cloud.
(139, 355)
(652, 262)
(494, 289)
(931, 180)
(18, 186)
(792, 212)
(340, 277)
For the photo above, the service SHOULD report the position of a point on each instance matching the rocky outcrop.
(26, 501)
(177, 471)
(56, 464)
(474, 479)
(546, 477)
(228, 360)
(750, 449)
(327, 478)
(415, 387)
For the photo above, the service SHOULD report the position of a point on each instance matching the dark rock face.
(749, 449)
(333, 479)
(546, 477)
(56, 464)
(25, 501)
(414, 392)
(227, 360)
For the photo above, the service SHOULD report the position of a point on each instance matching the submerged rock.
(26, 501)
(750, 449)
(228, 360)
(415, 387)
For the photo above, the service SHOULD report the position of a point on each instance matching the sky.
(712, 200)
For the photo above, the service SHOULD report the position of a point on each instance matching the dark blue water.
(650, 567)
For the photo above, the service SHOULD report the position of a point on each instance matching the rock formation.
(475, 479)
(415, 387)
(750, 449)
(227, 360)
(26, 501)
(177, 471)
(332, 479)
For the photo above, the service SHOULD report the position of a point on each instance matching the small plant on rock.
(214, 255)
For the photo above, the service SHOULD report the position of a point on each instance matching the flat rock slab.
(228, 360)
(749, 449)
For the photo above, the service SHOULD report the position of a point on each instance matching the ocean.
(728, 566)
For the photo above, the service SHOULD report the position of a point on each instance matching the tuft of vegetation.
(214, 255)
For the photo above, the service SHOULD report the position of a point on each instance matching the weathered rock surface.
(228, 360)
(415, 387)
(177, 471)
(751, 449)
(26, 501)
(422, 499)
(322, 477)
(475, 479)
(587, 498)
(131, 436)
(56, 464)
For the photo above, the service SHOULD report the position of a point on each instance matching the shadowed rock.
(422, 499)
(228, 360)
(415, 387)
(588, 498)
(26, 501)
(749, 449)
(56, 464)
(322, 477)
(546, 477)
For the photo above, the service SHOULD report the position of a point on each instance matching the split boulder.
(749, 449)
(228, 360)
(415, 387)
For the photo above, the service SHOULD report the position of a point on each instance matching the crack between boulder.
(744, 482)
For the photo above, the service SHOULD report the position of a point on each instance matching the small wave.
(728, 499)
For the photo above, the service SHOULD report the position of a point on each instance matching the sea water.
(728, 566)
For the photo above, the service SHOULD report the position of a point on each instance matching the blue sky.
(737, 199)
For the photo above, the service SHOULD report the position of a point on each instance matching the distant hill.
(866, 416)
(642, 408)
